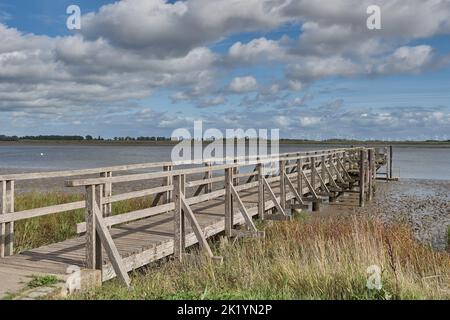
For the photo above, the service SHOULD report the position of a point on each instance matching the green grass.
(304, 259)
(42, 281)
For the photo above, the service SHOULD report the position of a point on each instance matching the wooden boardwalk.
(218, 203)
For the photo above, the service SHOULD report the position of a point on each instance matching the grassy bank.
(305, 259)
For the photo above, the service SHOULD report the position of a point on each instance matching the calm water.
(409, 162)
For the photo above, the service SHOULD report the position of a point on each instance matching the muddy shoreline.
(424, 205)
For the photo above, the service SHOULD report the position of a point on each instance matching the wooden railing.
(324, 170)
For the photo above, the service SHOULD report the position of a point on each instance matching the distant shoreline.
(440, 144)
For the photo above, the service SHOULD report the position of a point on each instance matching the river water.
(415, 162)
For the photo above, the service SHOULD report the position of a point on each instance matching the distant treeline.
(159, 138)
(78, 138)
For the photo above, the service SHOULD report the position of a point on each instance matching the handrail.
(137, 166)
(188, 171)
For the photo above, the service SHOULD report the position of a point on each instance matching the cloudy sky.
(147, 67)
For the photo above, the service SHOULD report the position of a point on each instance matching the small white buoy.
(42, 154)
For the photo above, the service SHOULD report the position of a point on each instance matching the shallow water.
(409, 162)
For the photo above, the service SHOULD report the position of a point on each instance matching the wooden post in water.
(179, 245)
(362, 174)
(228, 201)
(7, 229)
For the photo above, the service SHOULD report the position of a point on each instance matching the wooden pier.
(191, 203)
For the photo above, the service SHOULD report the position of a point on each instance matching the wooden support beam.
(294, 191)
(110, 248)
(344, 170)
(248, 219)
(322, 182)
(338, 173)
(197, 230)
(310, 187)
(274, 198)
(330, 176)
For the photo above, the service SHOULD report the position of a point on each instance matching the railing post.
(299, 176)
(370, 175)
(391, 159)
(322, 168)
(362, 175)
(228, 201)
(168, 182)
(179, 223)
(7, 229)
(315, 203)
(94, 258)
(261, 203)
(107, 192)
(235, 172)
(208, 187)
(282, 171)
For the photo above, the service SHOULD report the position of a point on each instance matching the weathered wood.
(362, 174)
(293, 190)
(391, 160)
(228, 202)
(309, 185)
(131, 216)
(168, 183)
(179, 221)
(370, 174)
(261, 206)
(91, 247)
(110, 248)
(282, 174)
(196, 228)
(273, 197)
(107, 192)
(248, 219)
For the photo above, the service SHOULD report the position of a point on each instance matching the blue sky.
(149, 67)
